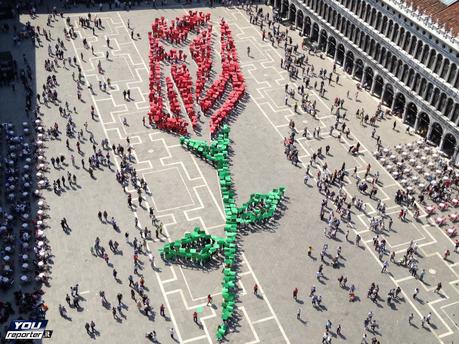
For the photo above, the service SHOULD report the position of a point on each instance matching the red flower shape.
(191, 95)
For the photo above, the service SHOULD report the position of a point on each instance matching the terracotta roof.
(448, 15)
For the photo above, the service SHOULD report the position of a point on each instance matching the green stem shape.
(199, 246)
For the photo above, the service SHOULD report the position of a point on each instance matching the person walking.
(385, 266)
(415, 293)
(446, 254)
(338, 330)
(410, 318)
(438, 288)
(428, 316)
(421, 275)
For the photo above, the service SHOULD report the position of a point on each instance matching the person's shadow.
(66, 317)
(304, 322)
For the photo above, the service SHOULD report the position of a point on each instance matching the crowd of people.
(335, 185)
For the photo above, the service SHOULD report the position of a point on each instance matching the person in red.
(255, 289)
(161, 311)
(209, 300)
(195, 317)
(295, 293)
(446, 254)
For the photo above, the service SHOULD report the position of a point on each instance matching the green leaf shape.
(197, 246)
(260, 207)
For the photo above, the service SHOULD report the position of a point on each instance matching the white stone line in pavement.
(194, 299)
(199, 206)
(244, 291)
(193, 203)
(193, 308)
(219, 206)
(262, 320)
(266, 299)
(443, 310)
(161, 286)
(442, 335)
(195, 339)
(257, 339)
(403, 279)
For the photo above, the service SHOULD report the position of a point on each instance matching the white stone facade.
(410, 66)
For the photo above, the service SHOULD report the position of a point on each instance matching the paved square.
(186, 193)
(170, 189)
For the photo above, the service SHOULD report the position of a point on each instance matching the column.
(397, 36)
(424, 93)
(384, 59)
(354, 69)
(435, 101)
(429, 131)
(405, 110)
(454, 156)
(386, 30)
(362, 82)
(410, 45)
(416, 123)
(402, 43)
(415, 87)
(392, 107)
(414, 84)
(372, 91)
(441, 141)
(449, 71)
(431, 96)
(441, 67)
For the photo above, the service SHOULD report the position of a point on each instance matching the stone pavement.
(185, 194)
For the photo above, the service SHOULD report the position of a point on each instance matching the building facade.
(397, 54)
